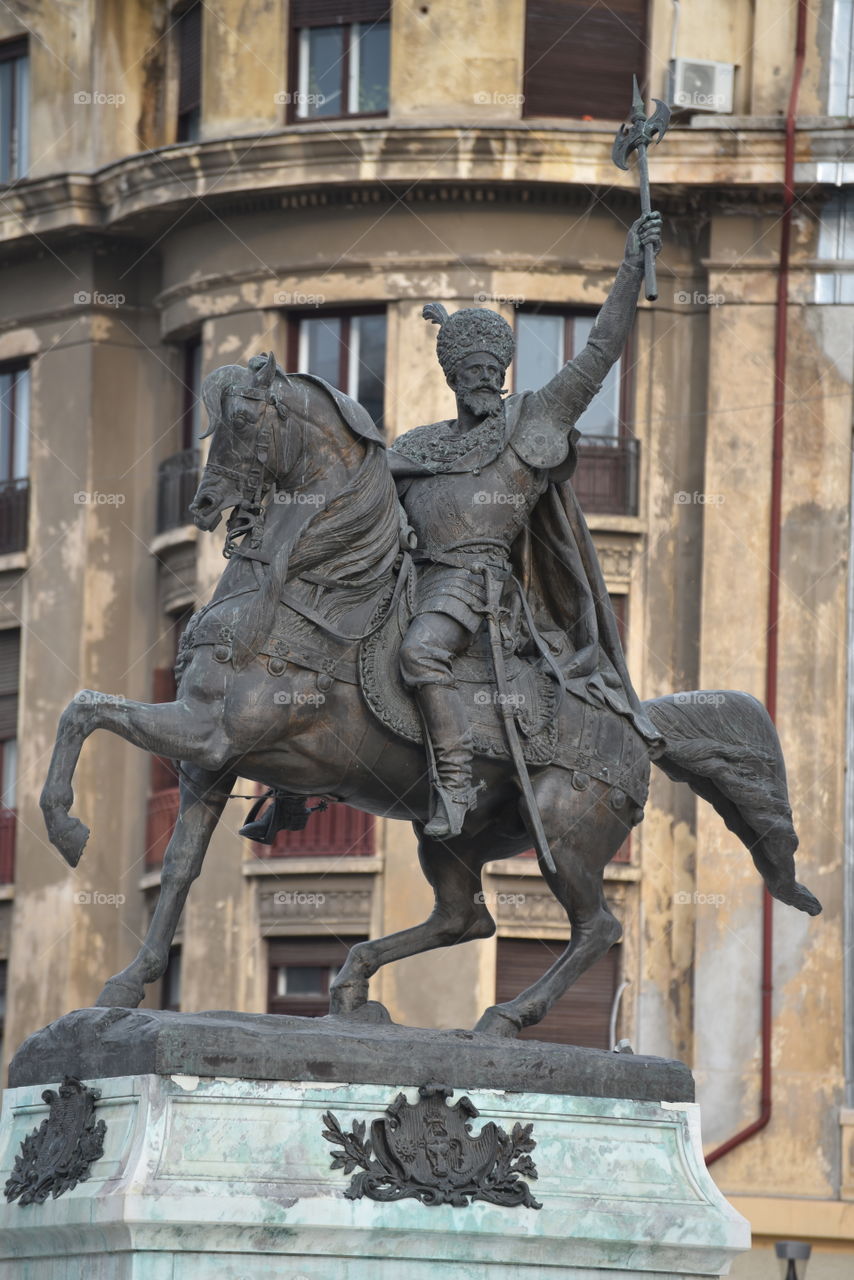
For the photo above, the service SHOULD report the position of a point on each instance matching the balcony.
(161, 817)
(606, 480)
(8, 821)
(177, 481)
(14, 512)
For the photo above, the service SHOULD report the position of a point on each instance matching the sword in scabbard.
(508, 716)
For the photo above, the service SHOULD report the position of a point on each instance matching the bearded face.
(477, 381)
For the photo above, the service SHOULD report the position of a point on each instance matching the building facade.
(184, 186)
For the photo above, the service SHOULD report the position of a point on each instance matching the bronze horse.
(267, 692)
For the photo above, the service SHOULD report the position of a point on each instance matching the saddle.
(532, 692)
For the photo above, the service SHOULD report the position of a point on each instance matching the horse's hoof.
(495, 1022)
(121, 993)
(68, 835)
(348, 997)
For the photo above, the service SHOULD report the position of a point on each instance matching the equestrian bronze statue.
(423, 632)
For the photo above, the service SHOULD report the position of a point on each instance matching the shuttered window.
(580, 57)
(189, 34)
(582, 1016)
(10, 661)
(301, 971)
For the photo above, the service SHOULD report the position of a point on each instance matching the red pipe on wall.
(780, 352)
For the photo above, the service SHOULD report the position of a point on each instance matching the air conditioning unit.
(699, 85)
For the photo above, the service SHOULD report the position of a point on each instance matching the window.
(188, 30)
(170, 983)
(14, 423)
(580, 57)
(14, 110)
(544, 342)
(10, 659)
(583, 1015)
(301, 971)
(840, 98)
(341, 58)
(178, 475)
(347, 350)
(836, 244)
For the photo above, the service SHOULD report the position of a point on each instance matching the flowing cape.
(556, 561)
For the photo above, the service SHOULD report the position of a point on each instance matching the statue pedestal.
(206, 1178)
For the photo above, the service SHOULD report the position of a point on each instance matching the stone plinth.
(359, 1048)
(231, 1179)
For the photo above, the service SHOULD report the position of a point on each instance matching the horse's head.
(243, 461)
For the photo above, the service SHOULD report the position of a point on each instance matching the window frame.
(300, 24)
(188, 119)
(10, 370)
(625, 401)
(347, 314)
(307, 952)
(16, 50)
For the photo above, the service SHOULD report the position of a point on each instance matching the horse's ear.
(265, 374)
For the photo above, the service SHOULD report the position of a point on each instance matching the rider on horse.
(477, 490)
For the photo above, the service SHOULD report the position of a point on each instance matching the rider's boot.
(447, 725)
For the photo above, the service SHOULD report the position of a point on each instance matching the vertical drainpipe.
(774, 567)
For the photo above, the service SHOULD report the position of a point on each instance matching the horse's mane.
(352, 540)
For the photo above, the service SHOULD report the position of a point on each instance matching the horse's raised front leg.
(183, 730)
(203, 796)
(459, 915)
(594, 833)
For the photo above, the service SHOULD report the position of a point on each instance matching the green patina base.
(218, 1179)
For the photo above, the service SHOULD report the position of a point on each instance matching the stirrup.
(450, 812)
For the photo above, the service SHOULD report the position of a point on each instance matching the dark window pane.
(302, 980)
(321, 55)
(171, 981)
(7, 119)
(22, 116)
(190, 60)
(367, 364)
(320, 348)
(369, 58)
(191, 418)
(539, 350)
(14, 424)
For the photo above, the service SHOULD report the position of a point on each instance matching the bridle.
(247, 518)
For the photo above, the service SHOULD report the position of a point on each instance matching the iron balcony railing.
(14, 512)
(606, 480)
(177, 481)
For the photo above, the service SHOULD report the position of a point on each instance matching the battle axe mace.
(636, 137)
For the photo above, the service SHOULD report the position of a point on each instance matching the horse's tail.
(725, 746)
